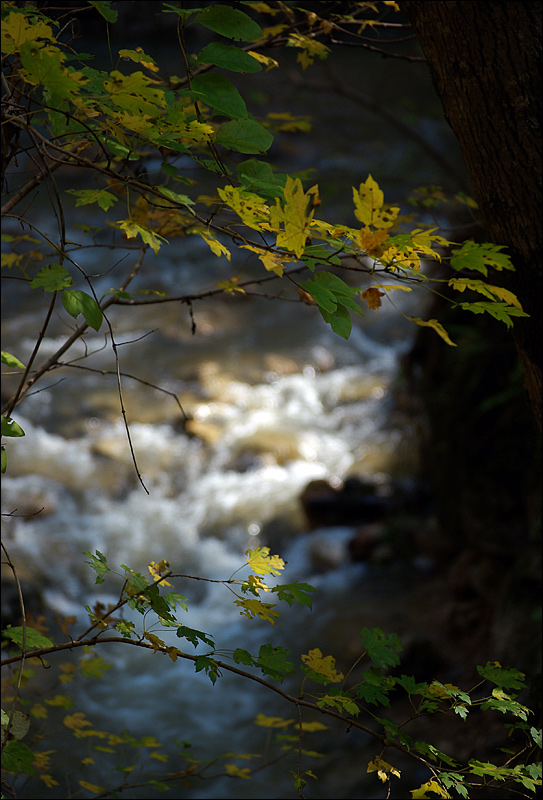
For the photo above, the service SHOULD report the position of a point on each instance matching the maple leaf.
(340, 701)
(49, 781)
(429, 786)
(382, 768)
(92, 787)
(437, 326)
(254, 584)
(382, 648)
(291, 592)
(250, 207)
(371, 241)
(237, 772)
(372, 296)
(273, 661)
(487, 289)
(255, 608)
(216, 247)
(76, 721)
(478, 256)
(262, 563)
(135, 92)
(16, 30)
(272, 261)
(311, 48)
(157, 569)
(322, 665)
(294, 216)
(369, 207)
(231, 285)
(272, 722)
(132, 229)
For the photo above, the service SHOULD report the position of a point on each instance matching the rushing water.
(277, 400)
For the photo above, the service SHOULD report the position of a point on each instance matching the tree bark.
(485, 59)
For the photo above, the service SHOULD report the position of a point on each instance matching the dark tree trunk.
(485, 59)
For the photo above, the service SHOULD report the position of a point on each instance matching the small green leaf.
(99, 565)
(500, 311)
(11, 428)
(273, 661)
(52, 278)
(194, 636)
(218, 92)
(382, 649)
(244, 136)
(229, 22)
(182, 199)
(339, 320)
(17, 757)
(210, 666)
(85, 197)
(184, 13)
(243, 657)
(33, 639)
(103, 8)
(229, 57)
(298, 592)
(11, 361)
(76, 302)
(3, 460)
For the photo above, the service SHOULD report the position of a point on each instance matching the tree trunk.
(485, 59)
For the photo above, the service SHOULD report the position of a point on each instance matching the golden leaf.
(372, 296)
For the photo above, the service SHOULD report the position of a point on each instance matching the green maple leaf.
(382, 649)
(273, 661)
(291, 592)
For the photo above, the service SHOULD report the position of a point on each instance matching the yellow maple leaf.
(157, 569)
(382, 768)
(311, 48)
(216, 247)
(405, 257)
(371, 241)
(76, 721)
(272, 722)
(237, 772)
(322, 665)
(231, 285)
(250, 207)
(369, 205)
(49, 781)
(372, 296)
(92, 787)
(38, 711)
(272, 261)
(295, 216)
(437, 326)
(309, 727)
(43, 759)
(132, 229)
(255, 608)
(268, 62)
(257, 583)
(16, 30)
(159, 757)
(429, 786)
(262, 563)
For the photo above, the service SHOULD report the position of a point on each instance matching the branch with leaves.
(61, 116)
